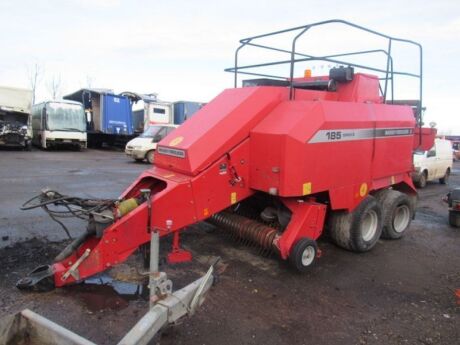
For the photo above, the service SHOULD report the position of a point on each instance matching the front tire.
(359, 230)
(303, 254)
(150, 156)
(421, 183)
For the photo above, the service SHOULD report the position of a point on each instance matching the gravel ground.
(402, 292)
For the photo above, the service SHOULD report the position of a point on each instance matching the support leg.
(178, 254)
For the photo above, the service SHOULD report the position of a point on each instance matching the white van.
(433, 164)
(144, 146)
(56, 123)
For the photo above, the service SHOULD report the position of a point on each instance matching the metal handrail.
(296, 57)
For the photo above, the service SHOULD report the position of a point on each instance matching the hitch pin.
(73, 270)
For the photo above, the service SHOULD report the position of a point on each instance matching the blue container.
(117, 115)
(184, 110)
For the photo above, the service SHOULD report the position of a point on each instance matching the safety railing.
(388, 71)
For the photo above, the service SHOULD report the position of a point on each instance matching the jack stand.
(159, 284)
(177, 254)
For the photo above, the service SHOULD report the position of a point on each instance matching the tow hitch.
(165, 306)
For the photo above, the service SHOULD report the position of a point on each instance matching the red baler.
(275, 163)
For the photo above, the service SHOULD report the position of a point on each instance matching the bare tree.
(54, 86)
(89, 81)
(34, 74)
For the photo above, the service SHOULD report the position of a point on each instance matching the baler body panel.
(306, 147)
(217, 128)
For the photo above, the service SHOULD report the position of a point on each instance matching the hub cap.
(401, 218)
(308, 256)
(369, 225)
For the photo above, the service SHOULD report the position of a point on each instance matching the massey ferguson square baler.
(275, 163)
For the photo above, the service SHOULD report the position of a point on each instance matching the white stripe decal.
(335, 135)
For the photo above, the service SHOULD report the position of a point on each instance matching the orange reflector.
(307, 73)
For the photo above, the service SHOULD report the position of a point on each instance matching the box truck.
(15, 109)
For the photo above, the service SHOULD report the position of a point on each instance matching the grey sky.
(180, 48)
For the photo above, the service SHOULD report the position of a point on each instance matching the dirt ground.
(402, 292)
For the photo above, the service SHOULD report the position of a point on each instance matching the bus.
(59, 123)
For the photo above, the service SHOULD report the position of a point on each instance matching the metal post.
(154, 249)
(154, 258)
(293, 53)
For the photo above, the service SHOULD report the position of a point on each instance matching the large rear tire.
(359, 230)
(397, 213)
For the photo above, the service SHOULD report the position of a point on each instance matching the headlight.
(24, 129)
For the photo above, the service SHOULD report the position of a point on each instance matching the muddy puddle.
(105, 293)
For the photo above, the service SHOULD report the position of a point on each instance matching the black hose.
(73, 246)
(50, 200)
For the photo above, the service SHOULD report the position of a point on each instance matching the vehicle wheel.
(454, 219)
(445, 179)
(359, 230)
(421, 183)
(150, 156)
(139, 159)
(303, 254)
(28, 146)
(397, 213)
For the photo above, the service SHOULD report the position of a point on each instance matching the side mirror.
(431, 153)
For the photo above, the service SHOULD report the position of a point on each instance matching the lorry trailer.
(184, 110)
(109, 116)
(275, 163)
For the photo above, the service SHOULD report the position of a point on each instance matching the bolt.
(273, 191)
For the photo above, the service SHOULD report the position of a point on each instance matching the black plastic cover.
(342, 74)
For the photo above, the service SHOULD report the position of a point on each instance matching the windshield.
(65, 117)
(152, 131)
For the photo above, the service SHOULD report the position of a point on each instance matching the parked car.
(433, 164)
(144, 146)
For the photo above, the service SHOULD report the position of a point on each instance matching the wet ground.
(402, 292)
